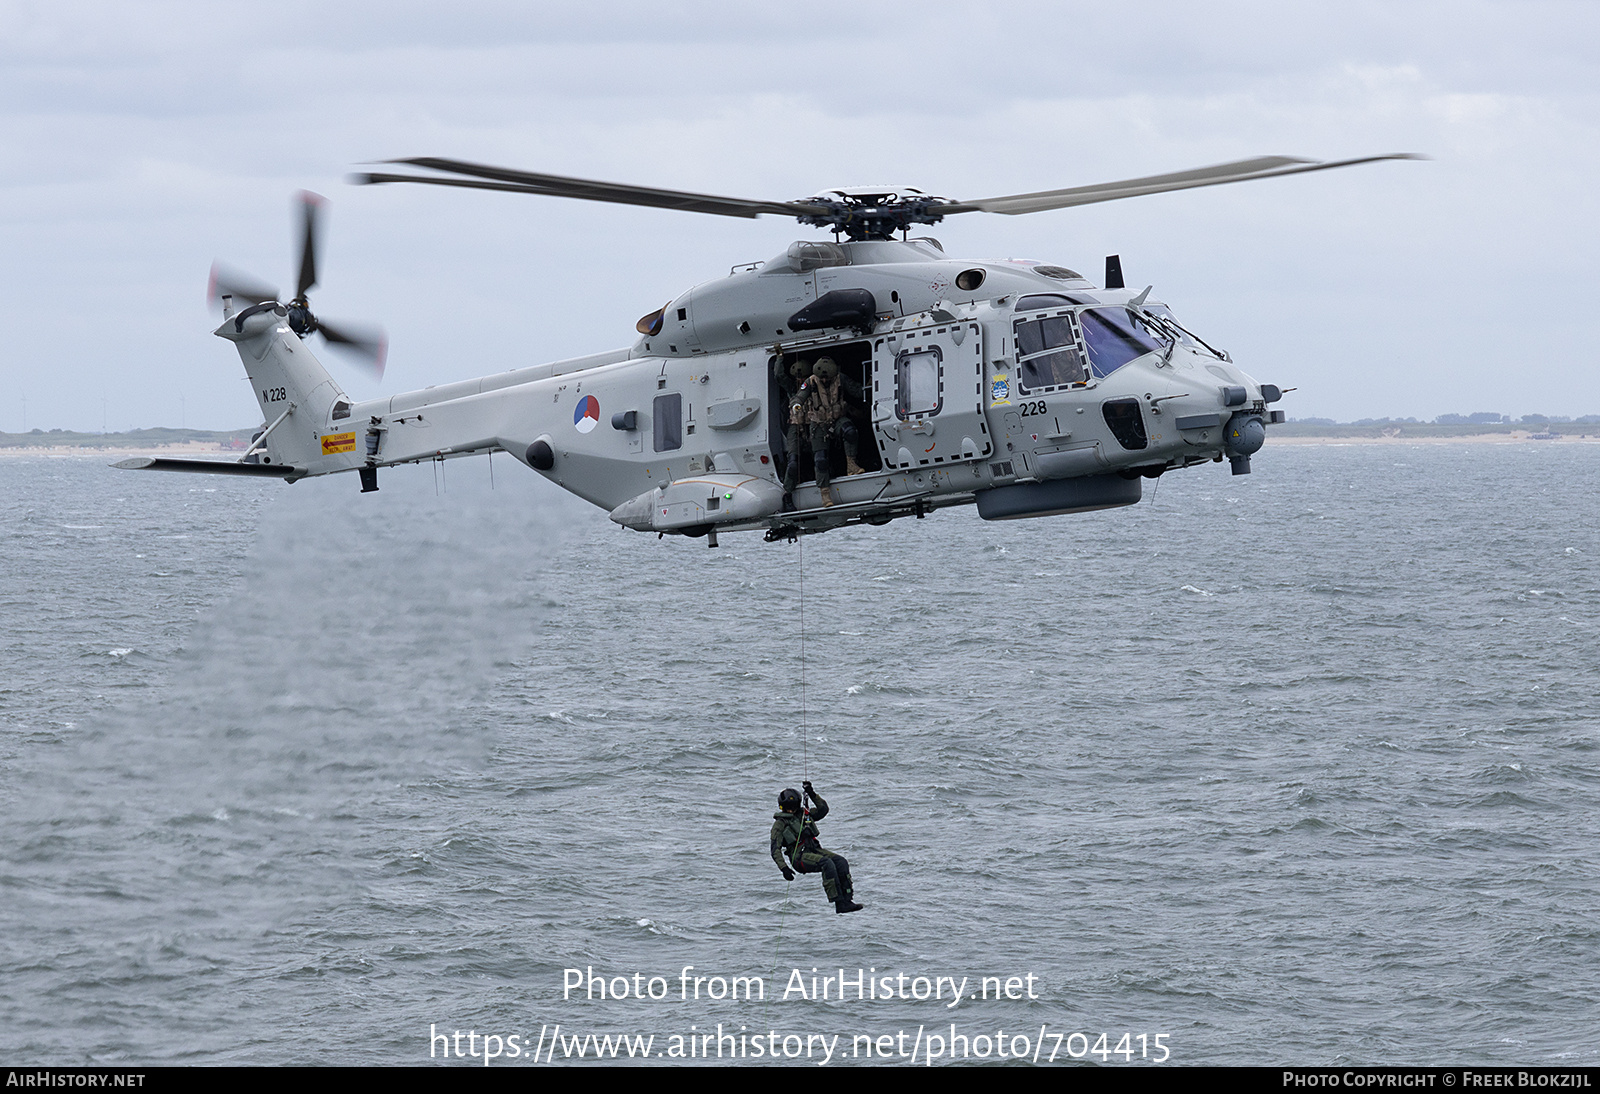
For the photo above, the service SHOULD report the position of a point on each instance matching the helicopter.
(1020, 387)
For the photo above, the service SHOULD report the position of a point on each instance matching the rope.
(805, 764)
(805, 756)
(772, 973)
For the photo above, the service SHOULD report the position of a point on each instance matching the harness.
(804, 841)
(827, 401)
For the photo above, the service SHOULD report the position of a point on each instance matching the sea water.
(1300, 767)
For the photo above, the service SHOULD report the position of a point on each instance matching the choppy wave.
(291, 773)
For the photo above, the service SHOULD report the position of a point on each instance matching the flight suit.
(791, 382)
(826, 413)
(794, 835)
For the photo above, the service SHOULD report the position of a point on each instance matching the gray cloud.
(144, 141)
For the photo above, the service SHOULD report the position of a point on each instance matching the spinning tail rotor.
(368, 345)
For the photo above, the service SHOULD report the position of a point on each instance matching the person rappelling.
(794, 836)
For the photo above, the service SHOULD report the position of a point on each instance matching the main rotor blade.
(1261, 167)
(309, 205)
(527, 182)
(244, 289)
(369, 344)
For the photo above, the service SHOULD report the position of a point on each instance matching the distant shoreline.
(223, 454)
(1429, 431)
(1519, 437)
(194, 448)
(198, 442)
(223, 443)
(135, 442)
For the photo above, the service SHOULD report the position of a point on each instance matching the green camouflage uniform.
(794, 836)
(822, 402)
(794, 433)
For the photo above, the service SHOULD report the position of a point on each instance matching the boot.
(826, 490)
(851, 467)
(846, 904)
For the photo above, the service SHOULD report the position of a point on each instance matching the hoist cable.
(805, 757)
(805, 760)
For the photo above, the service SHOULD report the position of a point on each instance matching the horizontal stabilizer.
(209, 467)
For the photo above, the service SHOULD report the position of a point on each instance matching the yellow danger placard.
(338, 442)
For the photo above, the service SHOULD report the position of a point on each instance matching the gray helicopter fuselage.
(1017, 386)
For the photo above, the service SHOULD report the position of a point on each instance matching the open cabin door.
(927, 396)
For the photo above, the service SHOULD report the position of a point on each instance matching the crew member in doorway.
(794, 835)
(790, 376)
(792, 382)
(824, 398)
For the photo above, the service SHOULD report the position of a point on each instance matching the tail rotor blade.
(309, 205)
(368, 344)
(244, 289)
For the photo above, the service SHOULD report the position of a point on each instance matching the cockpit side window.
(1049, 354)
(1116, 336)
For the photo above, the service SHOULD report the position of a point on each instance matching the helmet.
(789, 801)
(825, 369)
(800, 368)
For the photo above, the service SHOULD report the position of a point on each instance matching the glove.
(788, 874)
(806, 786)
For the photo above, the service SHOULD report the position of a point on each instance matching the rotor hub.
(301, 321)
(863, 215)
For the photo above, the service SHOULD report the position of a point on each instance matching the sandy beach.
(220, 451)
(192, 448)
(1403, 438)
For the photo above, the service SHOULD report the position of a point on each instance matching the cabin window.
(917, 388)
(666, 422)
(1049, 354)
(1116, 336)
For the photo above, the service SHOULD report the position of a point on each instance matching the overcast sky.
(142, 141)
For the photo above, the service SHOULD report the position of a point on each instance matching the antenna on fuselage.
(1114, 272)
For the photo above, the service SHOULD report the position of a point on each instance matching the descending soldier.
(791, 382)
(823, 396)
(794, 834)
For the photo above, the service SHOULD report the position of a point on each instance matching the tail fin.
(299, 400)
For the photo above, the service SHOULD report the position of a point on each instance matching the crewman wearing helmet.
(794, 836)
(823, 397)
(791, 382)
